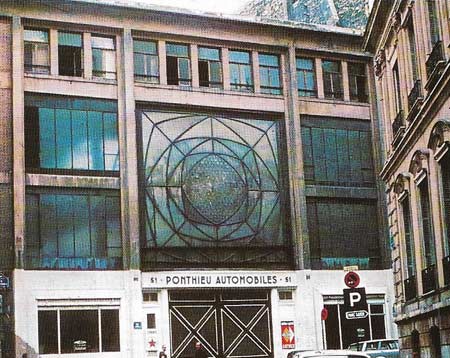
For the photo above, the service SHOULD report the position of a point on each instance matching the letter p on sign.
(355, 297)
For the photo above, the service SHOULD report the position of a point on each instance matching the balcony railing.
(436, 56)
(446, 265)
(410, 288)
(415, 94)
(429, 279)
(398, 123)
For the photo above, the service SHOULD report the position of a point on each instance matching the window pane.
(206, 53)
(274, 77)
(48, 332)
(177, 50)
(310, 81)
(154, 66)
(184, 69)
(378, 327)
(63, 139)
(49, 231)
(151, 321)
(64, 219)
(139, 64)
(47, 140)
(81, 226)
(239, 57)
(98, 227)
(106, 43)
(97, 60)
(331, 66)
(95, 140)
(246, 75)
(268, 60)
(35, 35)
(305, 64)
(234, 73)
(69, 39)
(264, 76)
(148, 47)
(114, 243)
(111, 141)
(110, 331)
(357, 69)
(79, 331)
(79, 140)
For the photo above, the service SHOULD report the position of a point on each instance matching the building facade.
(410, 40)
(173, 177)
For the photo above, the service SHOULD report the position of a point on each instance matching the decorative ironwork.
(227, 323)
(446, 264)
(429, 279)
(415, 94)
(436, 56)
(212, 190)
(410, 288)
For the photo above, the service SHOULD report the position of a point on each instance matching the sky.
(217, 6)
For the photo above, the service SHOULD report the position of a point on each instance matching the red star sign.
(152, 343)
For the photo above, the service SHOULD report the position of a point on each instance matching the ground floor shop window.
(78, 331)
(337, 337)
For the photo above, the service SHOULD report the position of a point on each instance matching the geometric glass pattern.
(227, 323)
(212, 182)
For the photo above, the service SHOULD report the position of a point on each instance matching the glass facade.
(213, 190)
(71, 134)
(73, 230)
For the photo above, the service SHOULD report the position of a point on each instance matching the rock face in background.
(343, 13)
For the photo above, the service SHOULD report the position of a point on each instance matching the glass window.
(151, 321)
(146, 63)
(377, 321)
(178, 65)
(71, 136)
(332, 79)
(445, 177)
(209, 67)
(397, 90)
(73, 231)
(70, 54)
(211, 179)
(269, 73)
(409, 240)
(36, 51)
(433, 21)
(357, 81)
(103, 57)
(79, 331)
(429, 252)
(241, 78)
(306, 77)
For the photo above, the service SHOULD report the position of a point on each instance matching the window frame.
(357, 94)
(45, 68)
(269, 88)
(336, 91)
(408, 234)
(104, 73)
(148, 57)
(179, 81)
(76, 72)
(241, 86)
(209, 62)
(305, 92)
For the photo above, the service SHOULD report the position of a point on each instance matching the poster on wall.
(287, 335)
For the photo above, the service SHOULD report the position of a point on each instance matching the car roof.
(378, 340)
(332, 352)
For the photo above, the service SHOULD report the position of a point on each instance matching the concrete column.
(128, 150)
(225, 69)
(345, 81)
(300, 237)
(319, 76)
(18, 139)
(162, 62)
(255, 70)
(194, 66)
(87, 54)
(54, 52)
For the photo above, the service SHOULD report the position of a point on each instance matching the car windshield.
(333, 356)
(356, 347)
(386, 345)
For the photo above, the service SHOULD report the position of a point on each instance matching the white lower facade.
(145, 305)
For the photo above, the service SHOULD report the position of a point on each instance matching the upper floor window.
(269, 73)
(332, 79)
(178, 65)
(357, 81)
(433, 20)
(445, 177)
(241, 78)
(36, 51)
(397, 90)
(71, 135)
(103, 57)
(427, 224)
(306, 77)
(146, 64)
(409, 239)
(412, 48)
(70, 54)
(209, 67)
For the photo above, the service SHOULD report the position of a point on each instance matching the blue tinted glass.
(97, 60)
(95, 141)
(268, 60)
(177, 50)
(274, 78)
(35, 36)
(206, 53)
(63, 139)
(98, 228)
(81, 226)
(305, 64)
(47, 142)
(114, 242)
(64, 217)
(239, 57)
(49, 231)
(139, 64)
(79, 140)
(111, 141)
(148, 47)
(331, 66)
(69, 39)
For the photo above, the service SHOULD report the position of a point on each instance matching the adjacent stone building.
(181, 177)
(411, 42)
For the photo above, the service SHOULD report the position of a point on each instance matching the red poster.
(287, 335)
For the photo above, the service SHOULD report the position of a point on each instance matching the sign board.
(352, 279)
(231, 279)
(324, 314)
(137, 325)
(355, 299)
(356, 313)
(287, 335)
(4, 281)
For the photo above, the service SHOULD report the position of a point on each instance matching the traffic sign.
(356, 314)
(355, 299)
(324, 314)
(352, 279)
(4, 281)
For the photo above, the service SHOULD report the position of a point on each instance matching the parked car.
(378, 348)
(328, 354)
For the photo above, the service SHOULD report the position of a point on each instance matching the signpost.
(287, 335)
